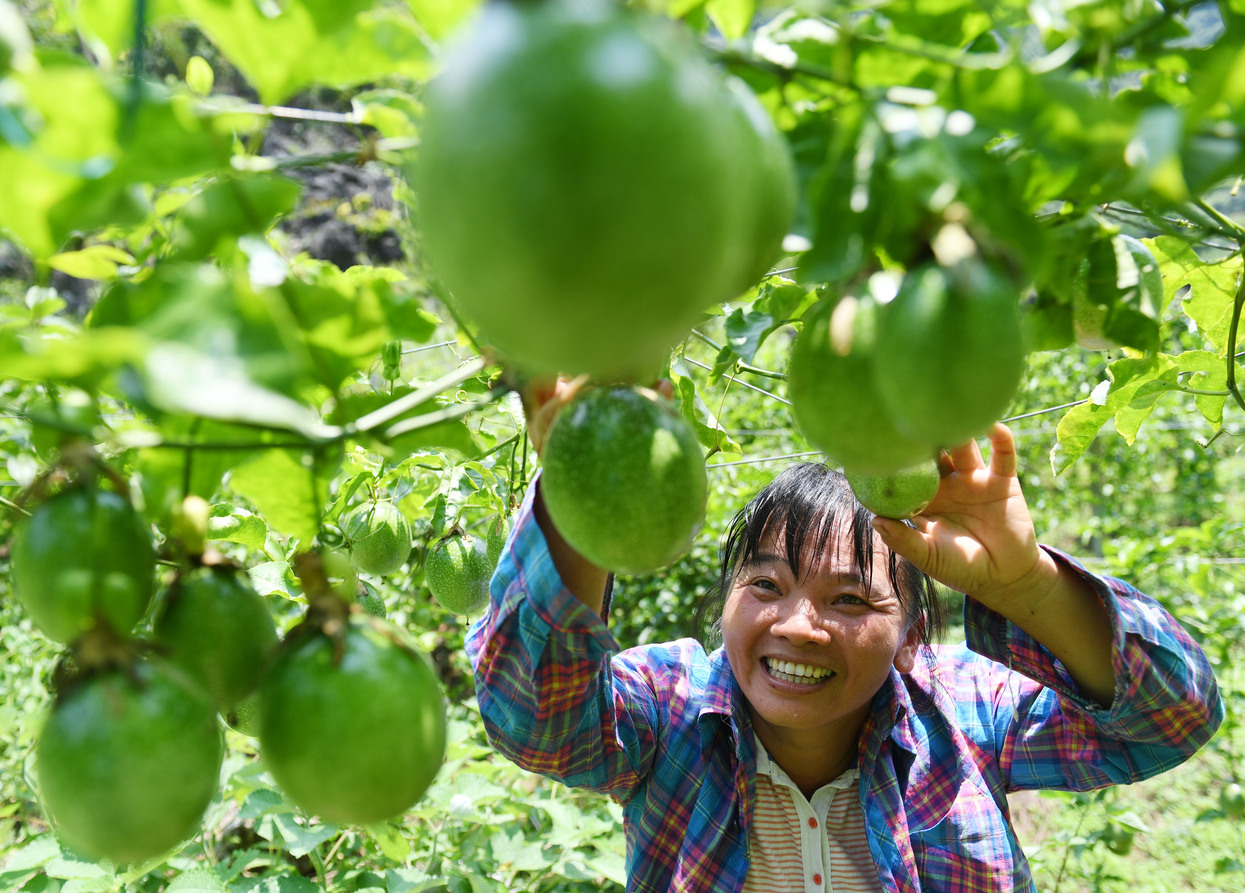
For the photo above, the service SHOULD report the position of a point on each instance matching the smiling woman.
(827, 744)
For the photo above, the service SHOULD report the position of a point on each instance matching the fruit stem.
(1233, 330)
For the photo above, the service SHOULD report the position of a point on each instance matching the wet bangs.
(803, 511)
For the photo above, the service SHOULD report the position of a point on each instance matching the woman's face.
(810, 653)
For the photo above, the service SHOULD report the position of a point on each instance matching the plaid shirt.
(662, 729)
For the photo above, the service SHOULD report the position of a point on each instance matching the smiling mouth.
(798, 674)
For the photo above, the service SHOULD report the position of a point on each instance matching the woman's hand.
(543, 398)
(977, 536)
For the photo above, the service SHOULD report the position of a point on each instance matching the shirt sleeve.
(1048, 735)
(553, 695)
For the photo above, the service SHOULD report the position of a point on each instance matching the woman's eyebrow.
(759, 558)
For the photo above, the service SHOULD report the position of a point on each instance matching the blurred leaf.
(92, 262)
(441, 17)
(274, 578)
(236, 525)
(288, 495)
(733, 17)
(229, 208)
(86, 158)
(300, 840)
(333, 43)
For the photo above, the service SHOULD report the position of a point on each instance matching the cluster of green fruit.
(349, 714)
(881, 386)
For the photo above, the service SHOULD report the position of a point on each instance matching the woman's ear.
(905, 655)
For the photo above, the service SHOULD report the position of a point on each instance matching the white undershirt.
(799, 846)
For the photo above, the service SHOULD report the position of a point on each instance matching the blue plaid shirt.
(662, 729)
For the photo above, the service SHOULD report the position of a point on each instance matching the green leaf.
(1211, 374)
(86, 158)
(92, 262)
(237, 525)
(440, 17)
(1212, 286)
(227, 209)
(733, 17)
(84, 359)
(283, 883)
(274, 578)
(708, 429)
(288, 495)
(334, 43)
(199, 75)
(745, 330)
(300, 840)
(1075, 432)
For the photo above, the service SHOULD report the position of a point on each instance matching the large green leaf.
(284, 486)
(332, 43)
(1212, 286)
(83, 160)
(1129, 395)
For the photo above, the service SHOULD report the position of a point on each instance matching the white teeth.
(793, 672)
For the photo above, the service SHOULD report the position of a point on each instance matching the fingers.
(967, 457)
(1002, 451)
(543, 399)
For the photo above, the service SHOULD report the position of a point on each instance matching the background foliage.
(209, 249)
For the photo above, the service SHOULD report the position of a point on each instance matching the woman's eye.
(765, 583)
(848, 598)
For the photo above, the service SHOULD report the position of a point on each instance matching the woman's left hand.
(977, 536)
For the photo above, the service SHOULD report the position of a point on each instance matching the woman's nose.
(801, 623)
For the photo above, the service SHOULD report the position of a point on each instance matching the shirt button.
(812, 823)
(817, 879)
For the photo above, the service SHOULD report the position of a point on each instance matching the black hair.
(806, 502)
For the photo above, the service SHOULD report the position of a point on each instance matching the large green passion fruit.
(950, 352)
(624, 479)
(834, 397)
(83, 556)
(576, 184)
(353, 731)
(217, 628)
(128, 761)
(767, 177)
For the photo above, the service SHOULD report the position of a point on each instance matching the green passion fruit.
(624, 479)
(834, 396)
(767, 176)
(903, 494)
(379, 537)
(353, 730)
(244, 716)
(217, 628)
(950, 353)
(82, 557)
(577, 185)
(128, 761)
(458, 570)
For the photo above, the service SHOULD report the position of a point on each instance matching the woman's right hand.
(543, 398)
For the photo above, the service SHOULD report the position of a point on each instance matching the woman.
(826, 745)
